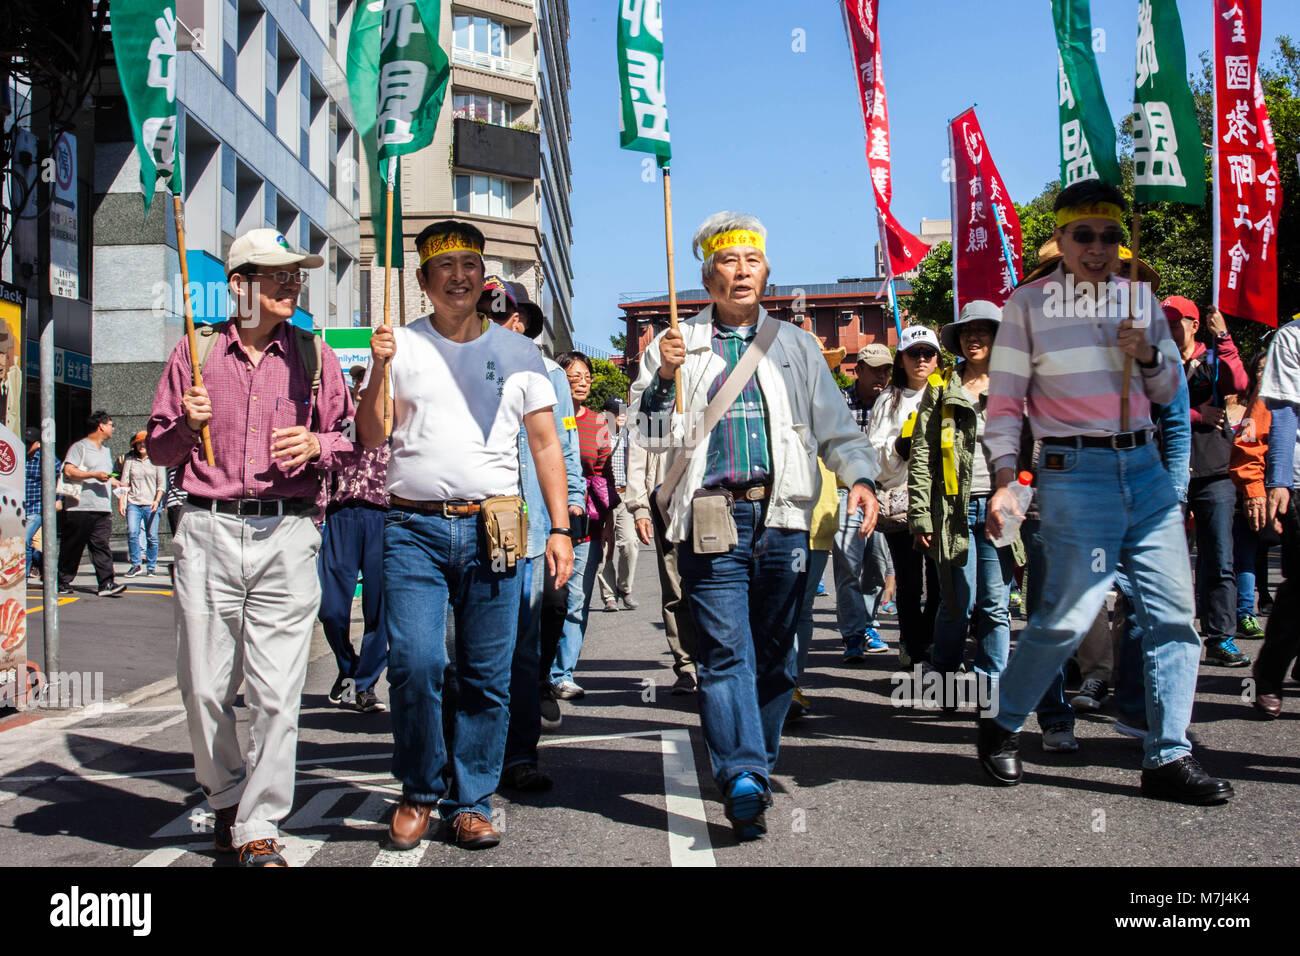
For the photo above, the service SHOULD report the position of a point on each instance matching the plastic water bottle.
(1022, 493)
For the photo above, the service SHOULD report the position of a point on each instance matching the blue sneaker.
(854, 649)
(875, 644)
(747, 798)
(821, 589)
(1225, 653)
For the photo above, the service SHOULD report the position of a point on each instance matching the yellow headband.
(733, 237)
(1100, 210)
(438, 245)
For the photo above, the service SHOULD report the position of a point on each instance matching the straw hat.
(834, 357)
(1049, 257)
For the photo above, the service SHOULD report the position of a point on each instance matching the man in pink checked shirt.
(247, 589)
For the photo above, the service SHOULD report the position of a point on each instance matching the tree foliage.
(607, 381)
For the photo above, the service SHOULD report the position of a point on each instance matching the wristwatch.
(567, 532)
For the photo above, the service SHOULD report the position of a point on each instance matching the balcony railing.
(497, 64)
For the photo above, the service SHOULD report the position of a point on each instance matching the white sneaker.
(568, 690)
(1059, 738)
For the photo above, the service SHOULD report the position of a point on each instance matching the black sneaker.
(550, 708)
(368, 702)
(66, 589)
(999, 752)
(1184, 781)
(336, 692)
(1091, 695)
(526, 778)
(113, 590)
(1225, 653)
(135, 569)
(261, 853)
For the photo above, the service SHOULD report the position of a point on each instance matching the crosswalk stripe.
(688, 828)
(167, 855)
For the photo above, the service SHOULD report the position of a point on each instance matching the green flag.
(363, 90)
(413, 74)
(1087, 132)
(644, 114)
(144, 44)
(1168, 158)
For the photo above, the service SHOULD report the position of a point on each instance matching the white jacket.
(807, 417)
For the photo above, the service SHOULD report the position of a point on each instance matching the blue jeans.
(525, 670)
(745, 604)
(803, 631)
(33, 526)
(431, 563)
(858, 565)
(353, 540)
(1130, 687)
(1213, 501)
(142, 518)
(586, 564)
(1245, 542)
(1053, 708)
(982, 586)
(1101, 507)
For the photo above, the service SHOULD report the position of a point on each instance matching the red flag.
(979, 202)
(1248, 196)
(860, 19)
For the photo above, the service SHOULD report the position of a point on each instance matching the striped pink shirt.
(247, 403)
(1056, 360)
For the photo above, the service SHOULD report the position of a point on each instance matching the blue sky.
(761, 128)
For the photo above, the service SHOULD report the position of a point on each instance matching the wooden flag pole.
(388, 275)
(672, 284)
(205, 433)
(1132, 314)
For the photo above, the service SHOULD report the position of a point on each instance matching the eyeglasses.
(580, 379)
(923, 355)
(284, 278)
(1086, 237)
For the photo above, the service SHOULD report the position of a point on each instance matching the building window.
(485, 43)
(480, 106)
(484, 195)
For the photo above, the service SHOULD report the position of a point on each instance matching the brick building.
(845, 313)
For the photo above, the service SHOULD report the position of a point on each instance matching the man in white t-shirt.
(460, 386)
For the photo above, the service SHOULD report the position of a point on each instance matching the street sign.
(64, 279)
(70, 368)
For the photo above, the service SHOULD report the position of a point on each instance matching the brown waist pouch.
(505, 523)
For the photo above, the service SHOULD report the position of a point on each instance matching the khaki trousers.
(247, 594)
(619, 569)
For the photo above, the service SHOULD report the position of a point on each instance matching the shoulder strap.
(205, 339)
(731, 388)
(309, 353)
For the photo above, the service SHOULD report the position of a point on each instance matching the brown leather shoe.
(410, 821)
(472, 831)
(1268, 699)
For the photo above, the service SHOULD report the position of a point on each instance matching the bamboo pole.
(205, 433)
(1132, 308)
(388, 276)
(672, 283)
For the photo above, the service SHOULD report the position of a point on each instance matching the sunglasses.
(1086, 237)
(923, 355)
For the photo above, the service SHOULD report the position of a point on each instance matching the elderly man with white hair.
(738, 496)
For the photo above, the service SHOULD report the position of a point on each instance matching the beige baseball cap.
(875, 354)
(266, 247)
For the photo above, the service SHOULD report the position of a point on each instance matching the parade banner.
(643, 114)
(413, 74)
(1168, 158)
(986, 229)
(144, 44)
(1087, 132)
(363, 86)
(905, 251)
(1248, 196)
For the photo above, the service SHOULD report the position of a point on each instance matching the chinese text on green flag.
(1087, 133)
(144, 44)
(413, 73)
(644, 113)
(1168, 158)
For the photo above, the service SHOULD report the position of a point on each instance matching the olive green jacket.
(940, 470)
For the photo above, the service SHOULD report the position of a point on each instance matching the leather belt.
(1119, 442)
(749, 492)
(255, 507)
(452, 508)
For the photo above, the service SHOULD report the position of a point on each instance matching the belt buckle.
(239, 507)
(456, 507)
(1129, 441)
(755, 493)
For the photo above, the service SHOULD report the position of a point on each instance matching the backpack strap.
(205, 339)
(309, 353)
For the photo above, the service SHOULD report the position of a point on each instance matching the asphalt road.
(859, 780)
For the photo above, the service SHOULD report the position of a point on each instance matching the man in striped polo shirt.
(1061, 352)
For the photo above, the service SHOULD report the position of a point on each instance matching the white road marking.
(688, 827)
(298, 850)
(411, 857)
(167, 855)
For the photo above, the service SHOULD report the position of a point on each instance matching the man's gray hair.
(721, 222)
